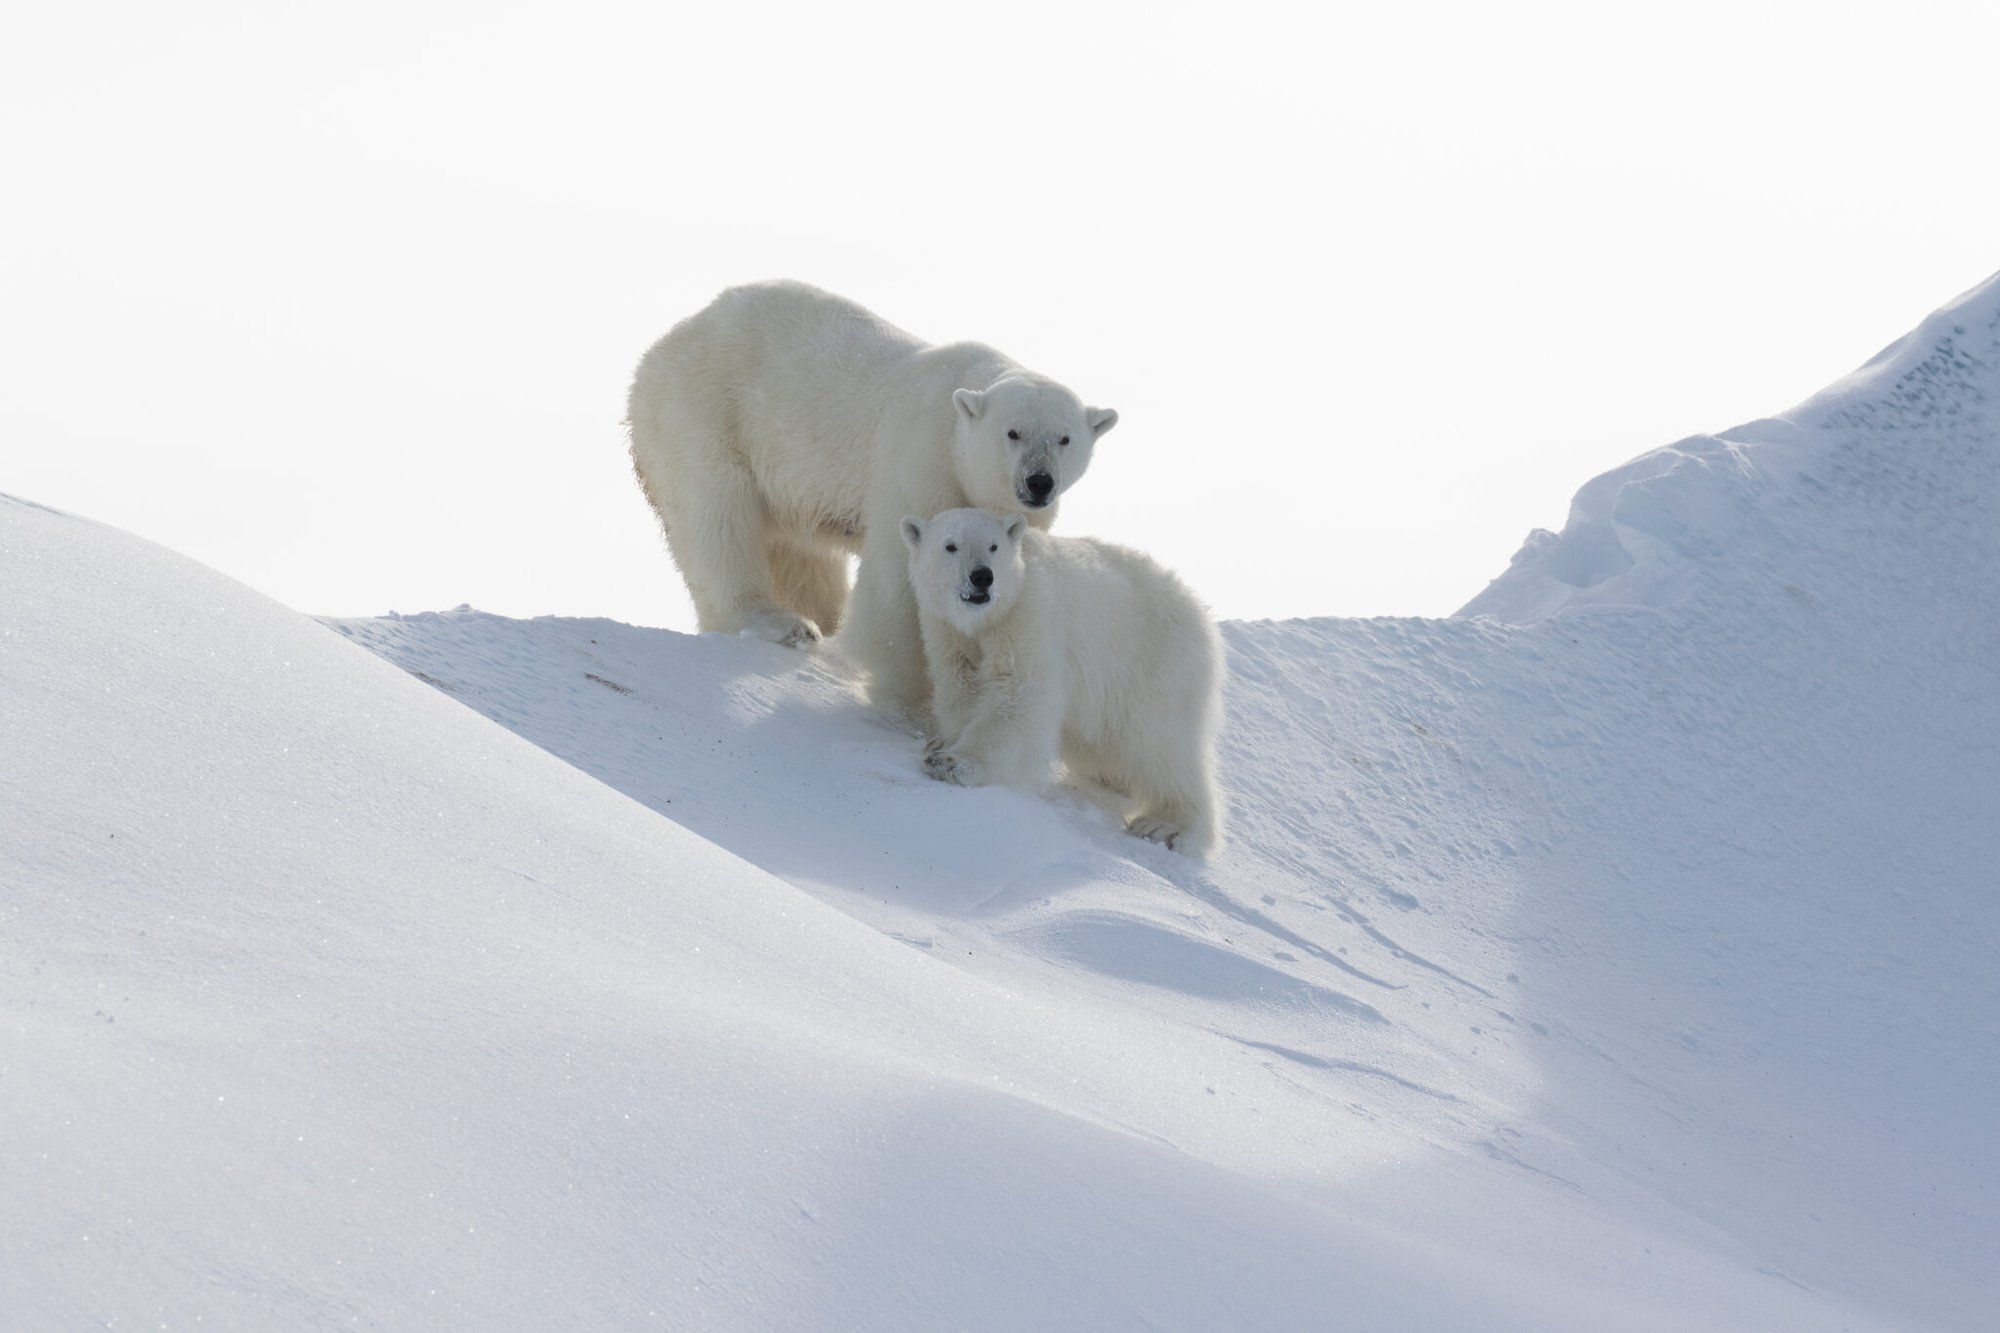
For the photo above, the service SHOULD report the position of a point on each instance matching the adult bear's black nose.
(981, 577)
(1040, 484)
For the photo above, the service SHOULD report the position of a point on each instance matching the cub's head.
(1024, 440)
(965, 565)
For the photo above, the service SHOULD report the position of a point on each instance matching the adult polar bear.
(1043, 647)
(782, 428)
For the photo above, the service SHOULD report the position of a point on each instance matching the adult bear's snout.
(982, 577)
(1040, 484)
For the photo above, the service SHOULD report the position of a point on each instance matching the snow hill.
(1613, 956)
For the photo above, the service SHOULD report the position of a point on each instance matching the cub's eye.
(951, 546)
(994, 547)
(1013, 434)
(1063, 440)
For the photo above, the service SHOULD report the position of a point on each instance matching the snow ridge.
(1912, 428)
(1613, 955)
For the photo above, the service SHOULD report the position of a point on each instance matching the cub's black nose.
(982, 577)
(1040, 484)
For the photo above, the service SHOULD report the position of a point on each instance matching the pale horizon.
(345, 305)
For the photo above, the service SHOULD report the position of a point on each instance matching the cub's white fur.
(782, 428)
(1042, 647)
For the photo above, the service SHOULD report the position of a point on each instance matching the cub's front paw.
(1154, 830)
(947, 767)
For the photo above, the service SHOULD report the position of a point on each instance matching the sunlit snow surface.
(1615, 956)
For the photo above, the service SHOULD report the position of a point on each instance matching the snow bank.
(1613, 956)
(328, 1002)
(1911, 433)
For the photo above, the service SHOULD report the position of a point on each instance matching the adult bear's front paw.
(948, 767)
(786, 628)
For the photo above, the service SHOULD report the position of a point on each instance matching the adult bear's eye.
(951, 546)
(1013, 434)
(994, 547)
(1063, 440)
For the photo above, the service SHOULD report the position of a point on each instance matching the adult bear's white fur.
(782, 428)
(1042, 646)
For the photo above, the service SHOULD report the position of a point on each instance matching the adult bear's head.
(1024, 440)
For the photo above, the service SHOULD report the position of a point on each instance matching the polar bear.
(1042, 646)
(783, 428)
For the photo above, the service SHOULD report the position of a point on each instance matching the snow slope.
(1614, 955)
(329, 1003)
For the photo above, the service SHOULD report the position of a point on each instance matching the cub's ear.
(1014, 528)
(913, 531)
(1101, 419)
(971, 402)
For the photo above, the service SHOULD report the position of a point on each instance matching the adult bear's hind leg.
(714, 518)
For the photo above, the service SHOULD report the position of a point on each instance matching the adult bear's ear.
(971, 402)
(1101, 419)
(1014, 529)
(913, 531)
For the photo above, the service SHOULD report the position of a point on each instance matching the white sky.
(343, 299)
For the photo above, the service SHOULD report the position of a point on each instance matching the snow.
(1615, 954)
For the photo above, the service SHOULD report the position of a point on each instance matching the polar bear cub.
(1042, 647)
(781, 429)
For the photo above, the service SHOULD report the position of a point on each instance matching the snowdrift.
(1613, 955)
